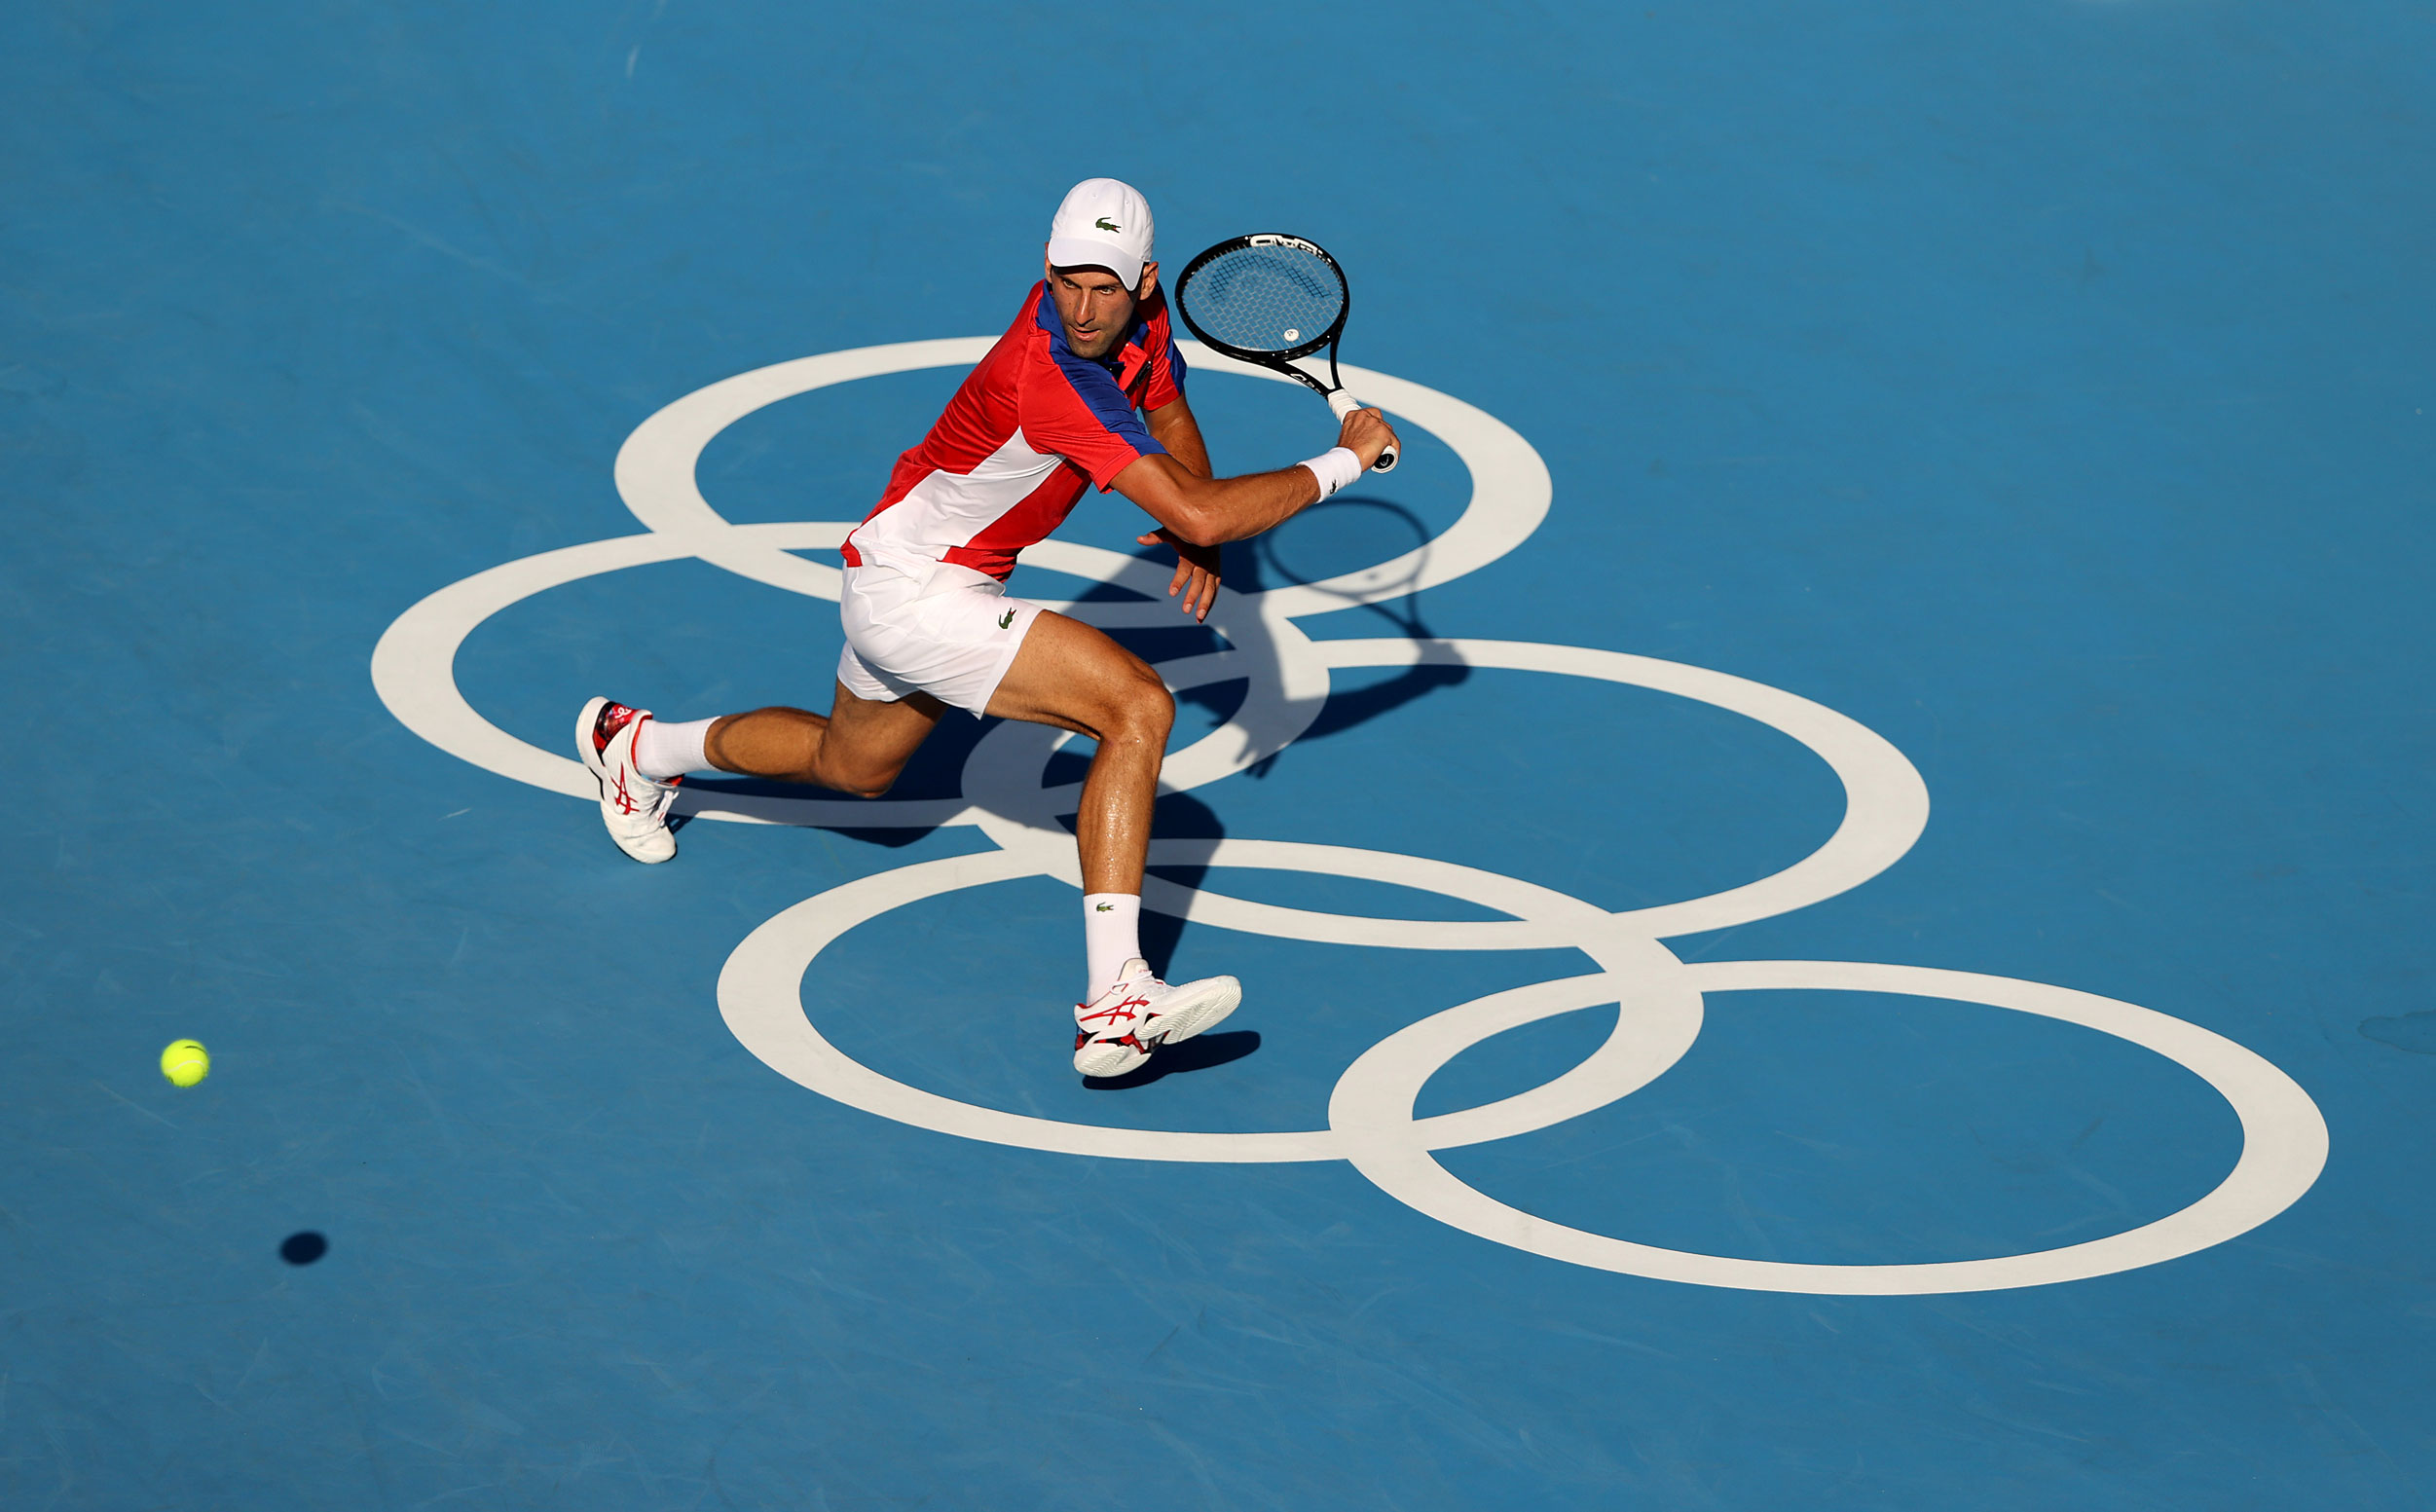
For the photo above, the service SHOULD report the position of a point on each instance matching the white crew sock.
(664, 750)
(1111, 937)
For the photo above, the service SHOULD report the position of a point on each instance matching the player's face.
(1095, 309)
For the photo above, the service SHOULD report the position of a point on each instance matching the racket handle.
(1341, 404)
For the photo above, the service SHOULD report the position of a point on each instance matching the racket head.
(1266, 298)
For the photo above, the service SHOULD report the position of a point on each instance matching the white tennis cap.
(1103, 222)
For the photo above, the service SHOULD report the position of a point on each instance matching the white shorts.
(951, 635)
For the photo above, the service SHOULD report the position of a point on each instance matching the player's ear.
(1048, 270)
(1149, 284)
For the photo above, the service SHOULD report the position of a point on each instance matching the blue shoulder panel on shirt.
(1095, 386)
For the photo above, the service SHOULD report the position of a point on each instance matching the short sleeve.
(1073, 409)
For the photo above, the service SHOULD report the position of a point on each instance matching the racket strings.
(1268, 298)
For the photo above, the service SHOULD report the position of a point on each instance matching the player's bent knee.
(854, 782)
(1146, 711)
(865, 785)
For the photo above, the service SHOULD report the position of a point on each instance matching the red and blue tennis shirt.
(1028, 431)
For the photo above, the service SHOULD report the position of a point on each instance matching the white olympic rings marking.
(1370, 1114)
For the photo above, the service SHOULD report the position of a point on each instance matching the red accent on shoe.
(1125, 1008)
(614, 717)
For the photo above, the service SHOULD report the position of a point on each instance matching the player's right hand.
(1366, 433)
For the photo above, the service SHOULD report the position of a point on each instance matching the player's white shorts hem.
(952, 634)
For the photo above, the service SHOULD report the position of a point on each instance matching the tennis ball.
(185, 1062)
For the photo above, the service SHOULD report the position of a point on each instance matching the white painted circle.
(1370, 1113)
(760, 996)
(2283, 1138)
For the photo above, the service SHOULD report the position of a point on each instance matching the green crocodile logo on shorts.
(1105, 224)
(1005, 619)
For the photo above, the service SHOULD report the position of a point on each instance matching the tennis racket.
(1269, 299)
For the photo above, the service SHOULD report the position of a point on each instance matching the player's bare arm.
(1205, 511)
(1173, 427)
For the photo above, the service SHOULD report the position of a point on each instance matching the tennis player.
(1086, 387)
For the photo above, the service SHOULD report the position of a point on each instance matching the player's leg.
(1071, 675)
(858, 747)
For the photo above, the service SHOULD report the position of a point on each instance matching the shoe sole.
(584, 723)
(1103, 1061)
(1220, 995)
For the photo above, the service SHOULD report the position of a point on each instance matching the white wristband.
(1334, 467)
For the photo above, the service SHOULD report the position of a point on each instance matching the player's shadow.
(1180, 816)
(1263, 565)
(1198, 1054)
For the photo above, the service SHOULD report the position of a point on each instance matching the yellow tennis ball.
(185, 1062)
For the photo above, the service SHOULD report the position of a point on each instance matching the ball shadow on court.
(304, 1247)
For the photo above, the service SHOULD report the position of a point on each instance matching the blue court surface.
(1833, 879)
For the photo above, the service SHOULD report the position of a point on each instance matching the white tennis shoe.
(1116, 1032)
(634, 807)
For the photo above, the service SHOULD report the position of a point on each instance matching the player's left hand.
(1196, 574)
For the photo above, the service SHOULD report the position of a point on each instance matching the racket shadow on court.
(1270, 559)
